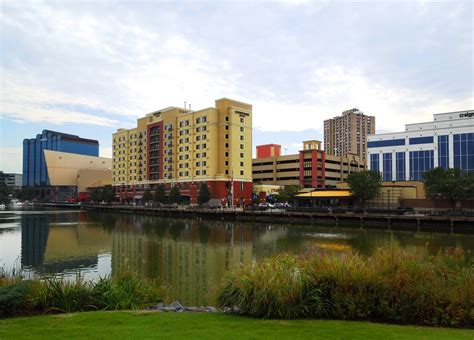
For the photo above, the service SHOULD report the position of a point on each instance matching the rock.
(177, 305)
(211, 309)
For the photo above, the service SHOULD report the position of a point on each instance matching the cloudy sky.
(89, 67)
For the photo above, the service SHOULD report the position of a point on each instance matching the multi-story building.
(178, 146)
(34, 166)
(11, 180)
(447, 142)
(347, 134)
(310, 168)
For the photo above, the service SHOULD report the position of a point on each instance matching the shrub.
(389, 286)
(14, 298)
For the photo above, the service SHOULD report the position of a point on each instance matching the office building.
(309, 168)
(185, 148)
(11, 180)
(447, 142)
(34, 166)
(347, 134)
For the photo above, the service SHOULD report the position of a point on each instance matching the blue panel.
(464, 151)
(26, 144)
(421, 140)
(31, 162)
(387, 166)
(443, 151)
(384, 143)
(374, 162)
(81, 148)
(400, 166)
(420, 162)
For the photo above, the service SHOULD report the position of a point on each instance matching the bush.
(389, 286)
(14, 298)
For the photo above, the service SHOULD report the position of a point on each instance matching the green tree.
(108, 194)
(175, 195)
(96, 195)
(147, 196)
(204, 195)
(451, 184)
(287, 193)
(160, 194)
(364, 185)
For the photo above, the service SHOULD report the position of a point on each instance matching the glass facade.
(463, 151)
(374, 162)
(420, 162)
(443, 152)
(421, 140)
(383, 143)
(400, 166)
(387, 166)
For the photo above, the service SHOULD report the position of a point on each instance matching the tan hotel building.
(310, 168)
(178, 146)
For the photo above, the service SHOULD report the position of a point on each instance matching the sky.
(90, 67)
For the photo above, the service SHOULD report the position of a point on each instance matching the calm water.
(188, 256)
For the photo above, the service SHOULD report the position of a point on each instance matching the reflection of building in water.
(34, 235)
(54, 243)
(189, 257)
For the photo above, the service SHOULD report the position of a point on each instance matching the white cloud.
(11, 159)
(105, 152)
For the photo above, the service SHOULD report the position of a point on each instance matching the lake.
(188, 256)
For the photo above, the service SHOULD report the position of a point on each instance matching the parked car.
(280, 205)
(265, 206)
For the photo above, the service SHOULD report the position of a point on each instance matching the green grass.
(139, 325)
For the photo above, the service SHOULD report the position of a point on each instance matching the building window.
(227, 127)
(204, 172)
(241, 119)
(227, 172)
(226, 145)
(241, 163)
(241, 155)
(226, 118)
(400, 166)
(198, 138)
(204, 145)
(241, 129)
(227, 154)
(463, 150)
(204, 119)
(420, 162)
(241, 146)
(204, 163)
(226, 136)
(198, 172)
(203, 154)
(226, 163)
(198, 120)
(198, 129)
(241, 172)
(443, 152)
(387, 166)
(241, 137)
(374, 162)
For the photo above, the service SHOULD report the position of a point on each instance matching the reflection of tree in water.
(204, 232)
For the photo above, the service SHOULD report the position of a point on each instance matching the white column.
(407, 165)
(394, 166)
(380, 155)
(435, 151)
(451, 150)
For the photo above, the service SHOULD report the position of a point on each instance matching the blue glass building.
(447, 142)
(34, 164)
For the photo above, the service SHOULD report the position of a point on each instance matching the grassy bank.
(140, 325)
(390, 286)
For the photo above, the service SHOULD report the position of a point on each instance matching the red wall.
(265, 151)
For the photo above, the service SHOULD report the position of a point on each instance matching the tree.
(287, 193)
(108, 194)
(96, 195)
(175, 195)
(147, 196)
(160, 194)
(204, 195)
(451, 184)
(364, 185)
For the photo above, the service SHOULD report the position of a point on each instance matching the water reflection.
(189, 256)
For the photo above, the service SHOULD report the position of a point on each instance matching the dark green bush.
(390, 286)
(14, 298)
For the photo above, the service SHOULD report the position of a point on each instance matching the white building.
(447, 142)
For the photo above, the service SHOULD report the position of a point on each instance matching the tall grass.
(389, 286)
(57, 295)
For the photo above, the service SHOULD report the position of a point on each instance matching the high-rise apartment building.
(347, 134)
(178, 146)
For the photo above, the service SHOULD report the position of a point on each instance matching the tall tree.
(204, 195)
(108, 194)
(451, 184)
(364, 185)
(175, 195)
(160, 194)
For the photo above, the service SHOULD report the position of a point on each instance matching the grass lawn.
(140, 325)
